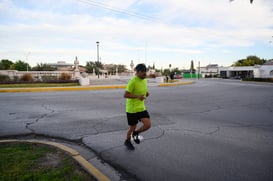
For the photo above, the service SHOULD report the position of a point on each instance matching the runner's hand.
(141, 97)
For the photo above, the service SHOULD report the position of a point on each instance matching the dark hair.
(141, 68)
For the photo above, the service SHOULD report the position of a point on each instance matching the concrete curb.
(47, 89)
(99, 87)
(73, 153)
(174, 84)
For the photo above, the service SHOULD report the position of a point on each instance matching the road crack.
(28, 124)
(216, 130)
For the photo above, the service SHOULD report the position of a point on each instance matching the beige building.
(62, 66)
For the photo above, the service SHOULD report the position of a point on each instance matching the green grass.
(38, 85)
(28, 161)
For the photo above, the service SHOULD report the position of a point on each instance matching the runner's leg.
(146, 125)
(130, 131)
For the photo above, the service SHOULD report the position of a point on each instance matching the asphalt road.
(210, 130)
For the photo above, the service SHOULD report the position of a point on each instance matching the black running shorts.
(134, 118)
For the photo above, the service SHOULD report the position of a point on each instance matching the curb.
(48, 89)
(73, 153)
(174, 84)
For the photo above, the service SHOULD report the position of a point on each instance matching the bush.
(46, 78)
(259, 79)
(15, 78)
(27, 78)
(65, 76)
(4, 78)
(50, 78)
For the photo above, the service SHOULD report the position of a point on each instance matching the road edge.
(84, 88)
(47, 89)
(174, 84)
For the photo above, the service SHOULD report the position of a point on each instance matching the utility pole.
(198, 69)
(27, 59)
(98, 58)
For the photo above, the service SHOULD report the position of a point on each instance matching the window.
(271, 73)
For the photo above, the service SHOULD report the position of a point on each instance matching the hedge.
(259, 79)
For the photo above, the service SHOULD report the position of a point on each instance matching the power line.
(117, 10)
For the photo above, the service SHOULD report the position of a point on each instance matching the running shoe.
(136, 137)
(129, 145)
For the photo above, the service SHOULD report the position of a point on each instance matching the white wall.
(263, 71)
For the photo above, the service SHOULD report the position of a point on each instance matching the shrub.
(15, 78)
(27, 78)
(259, 79)
(49, 78)
(65, 76)
(4, 78)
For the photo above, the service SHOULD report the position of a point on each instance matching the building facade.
(257, 71)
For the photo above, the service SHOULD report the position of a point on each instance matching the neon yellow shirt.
(136, 86)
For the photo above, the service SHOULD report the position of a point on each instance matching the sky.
(156, 32)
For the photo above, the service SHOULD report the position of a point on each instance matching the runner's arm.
(128, 95)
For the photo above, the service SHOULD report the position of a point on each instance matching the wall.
(263, 71)
(35, 74)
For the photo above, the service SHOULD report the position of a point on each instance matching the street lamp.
(27, 59)
(98, 57)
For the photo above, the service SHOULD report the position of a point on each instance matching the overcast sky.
(149, 31)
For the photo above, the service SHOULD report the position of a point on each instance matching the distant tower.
(77, 74)
(132, 67)
(76, 63)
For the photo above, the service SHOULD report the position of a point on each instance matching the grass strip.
(31, 161)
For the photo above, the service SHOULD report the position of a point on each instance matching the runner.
(135, 94)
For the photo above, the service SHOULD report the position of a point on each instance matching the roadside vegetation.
(28, 161)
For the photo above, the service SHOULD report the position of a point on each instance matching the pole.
(98, 58)
(198, 69)
(145, 53)
(27, 60)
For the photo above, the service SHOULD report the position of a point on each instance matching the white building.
(257, 71)
(237, 72)
(263, 71)
(210, 70)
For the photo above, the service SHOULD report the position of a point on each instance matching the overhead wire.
(117, 10)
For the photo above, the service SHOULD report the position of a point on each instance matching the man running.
(135, 94)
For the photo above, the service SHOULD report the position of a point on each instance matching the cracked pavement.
(210, 130)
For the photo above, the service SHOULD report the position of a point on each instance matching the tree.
(20, 66)
(249, 61)
(166, 72)
(90, 66)
(121, 68)
(43, 67)
(192, 67)
(177, 71)
(98, 65)
(5, 64)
